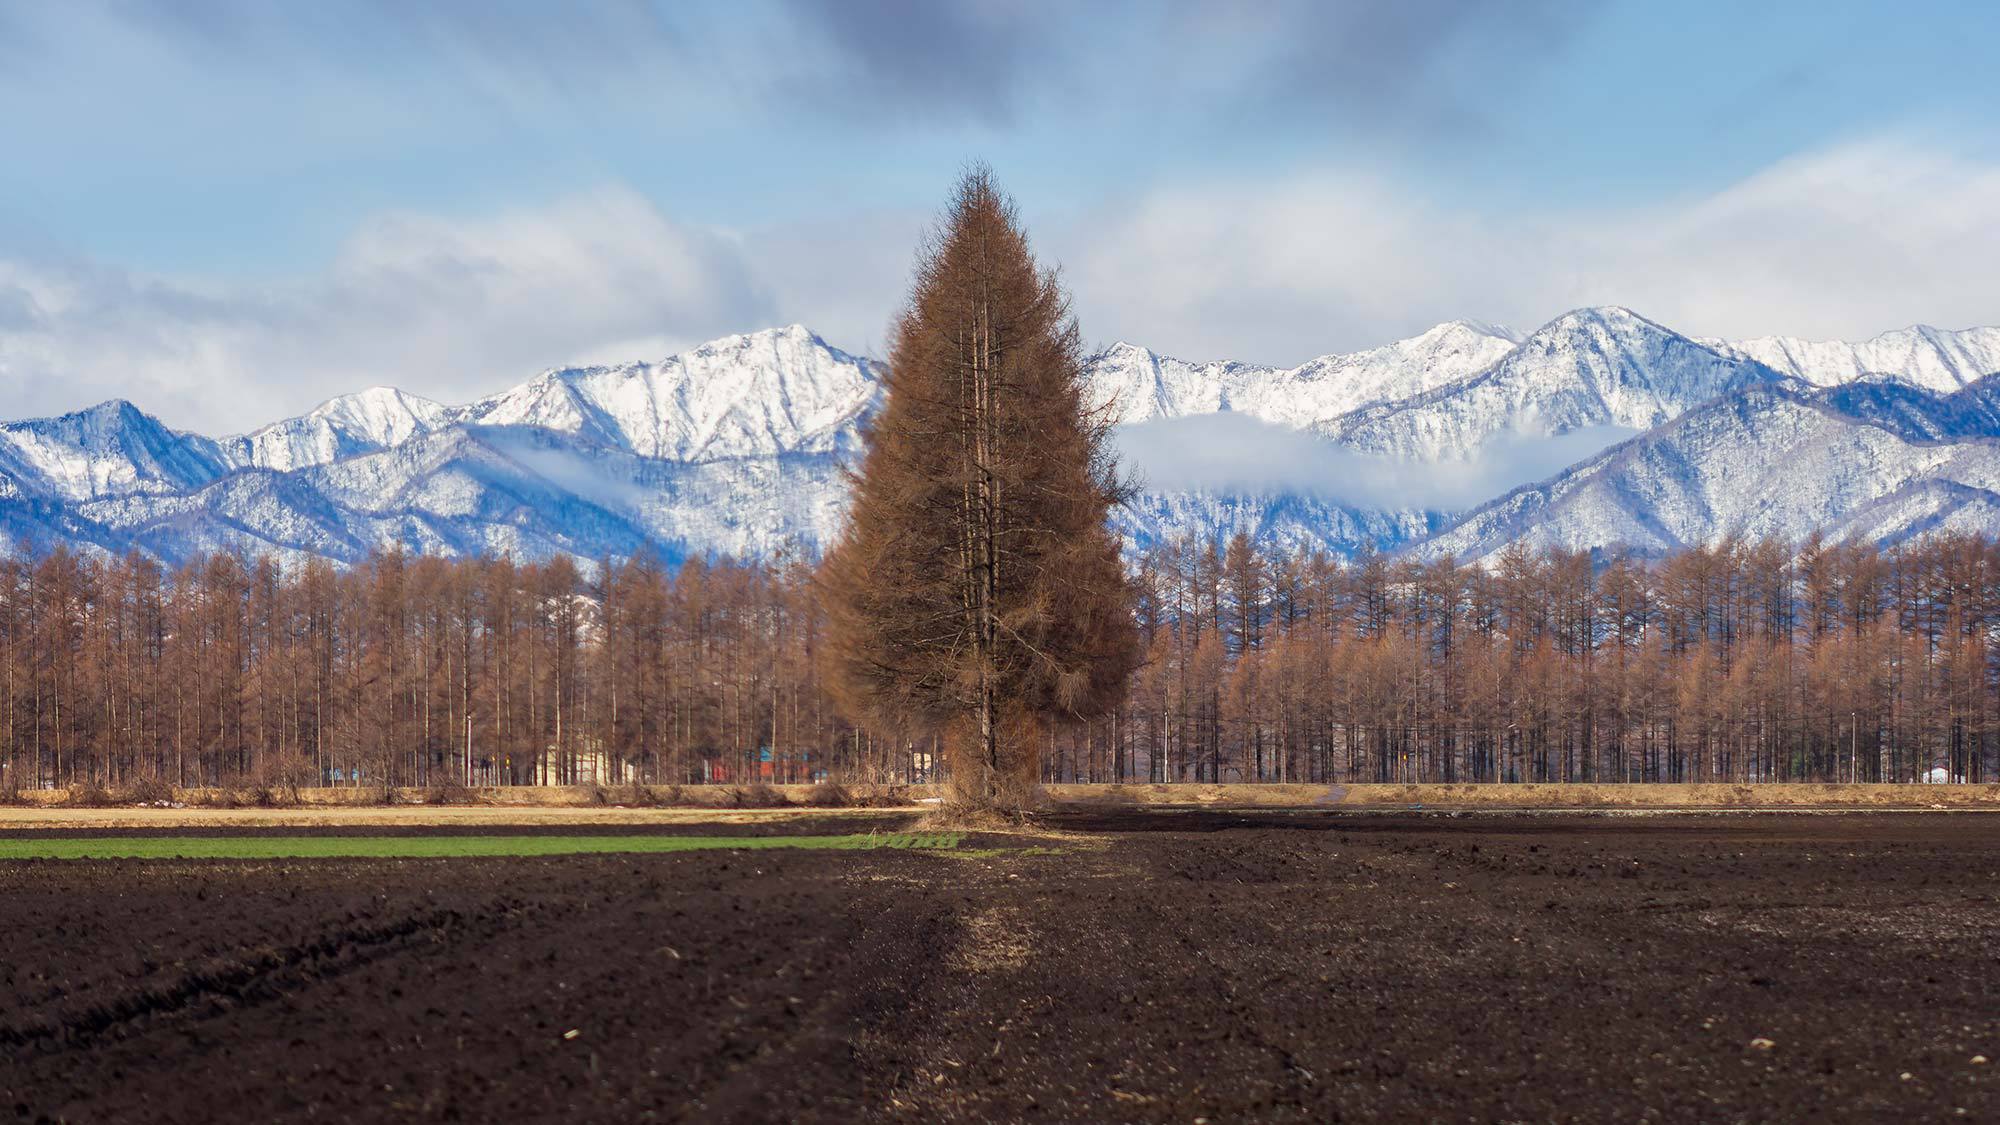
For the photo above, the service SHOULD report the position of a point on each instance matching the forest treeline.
(1746, 661)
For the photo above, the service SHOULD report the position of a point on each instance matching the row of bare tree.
(1742, 662)
(415, 671)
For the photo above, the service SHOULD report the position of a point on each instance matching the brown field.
(1129, 964)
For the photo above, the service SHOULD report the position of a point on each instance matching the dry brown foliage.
(758, 796)
(88, 795)
(449, 793)
(829, 795)
(977, 589)
(144, 791)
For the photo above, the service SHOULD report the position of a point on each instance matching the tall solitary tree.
(977, 589)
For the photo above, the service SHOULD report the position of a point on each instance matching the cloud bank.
(1231, 454)
(446, 309)
(1841, 243)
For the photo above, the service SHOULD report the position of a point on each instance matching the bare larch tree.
(977, 589)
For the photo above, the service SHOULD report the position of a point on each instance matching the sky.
(229, 210)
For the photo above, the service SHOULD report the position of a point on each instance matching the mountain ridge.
(1802, 459)
(738, 446)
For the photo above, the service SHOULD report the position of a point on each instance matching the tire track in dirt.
(723, 987)
(225, 985)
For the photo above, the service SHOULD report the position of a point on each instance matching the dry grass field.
(50, 818)
(559, 805)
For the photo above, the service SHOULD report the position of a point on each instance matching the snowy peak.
(1137, 384)
(111, 449)
(345, 426)
(551, 400)
(1644, 372)
(1932, 358)
(1590, 367)
(382, 415)
(105, 426)
(1467, 327)
(768, 393)
(1141, 385)
(1446, 354)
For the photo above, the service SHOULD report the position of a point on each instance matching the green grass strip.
(415, 847)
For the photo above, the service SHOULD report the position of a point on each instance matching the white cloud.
(1237, 454)
(1841, 243)
(443, 308)
(1845, 242)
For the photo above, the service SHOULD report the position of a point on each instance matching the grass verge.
(418, 847)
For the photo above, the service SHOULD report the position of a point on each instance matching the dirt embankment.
(1571, 795)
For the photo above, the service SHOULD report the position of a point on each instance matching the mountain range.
(1598, 429)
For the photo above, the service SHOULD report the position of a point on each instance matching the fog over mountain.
(1599, 429)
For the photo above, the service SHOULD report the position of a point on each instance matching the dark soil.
(1156, 966)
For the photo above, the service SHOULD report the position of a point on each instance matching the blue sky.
(229, 210)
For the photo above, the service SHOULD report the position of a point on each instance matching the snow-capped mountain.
(736, 447)
(739, 447)
(1140, 385)
(764, 394)
(756, 395)
(1926, 357)
(1592, 367)
(111, 449)
(1774, 460)
(364, 422)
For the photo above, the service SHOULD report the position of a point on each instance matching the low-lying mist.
(1236, 454)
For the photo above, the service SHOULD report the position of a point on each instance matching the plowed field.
(1143, 965)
